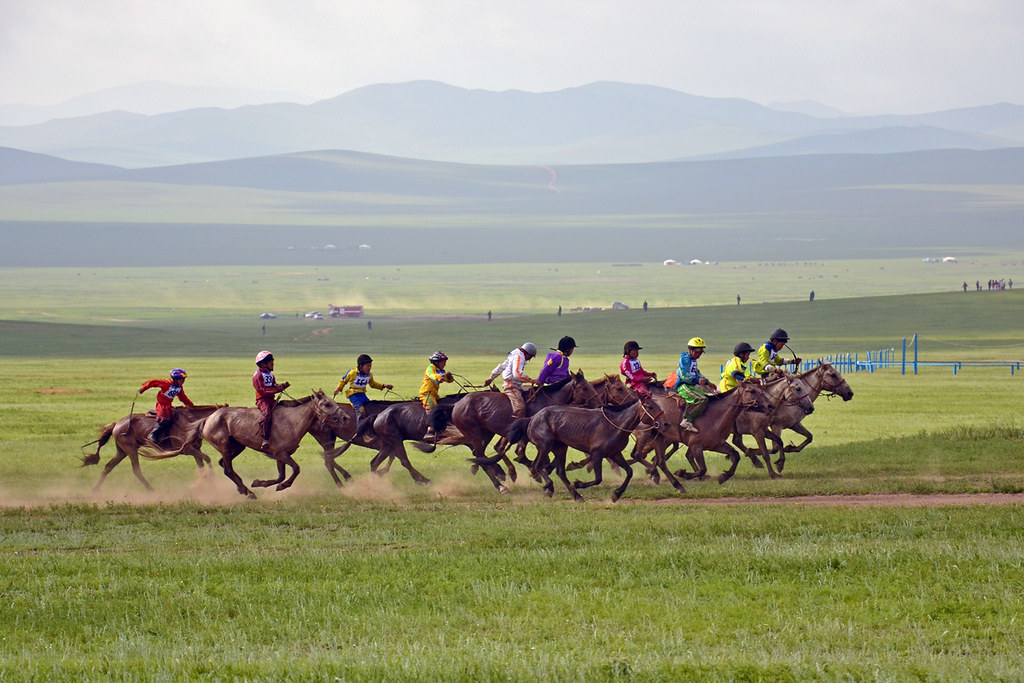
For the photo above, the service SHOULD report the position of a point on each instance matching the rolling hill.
(599, 123)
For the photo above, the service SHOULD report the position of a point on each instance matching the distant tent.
(949, 259)
(670, 262)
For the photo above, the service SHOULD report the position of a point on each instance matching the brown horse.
(599, 432)
(787, 392)
(232, 430)
(484, 414)
(364, 436)
(132, 432)
(407, 421)
(822, 379)
(713, 429)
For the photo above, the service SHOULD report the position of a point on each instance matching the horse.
(787, 390)
(599, 432)
(821, 379)
(483, 414)
(407, 421)
(713, 429)
(232, 430)
(132, 432)
(364, 436)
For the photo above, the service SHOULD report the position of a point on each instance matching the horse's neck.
(300, 418)
(815, 381)
(776, 391)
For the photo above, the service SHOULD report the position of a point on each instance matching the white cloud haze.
(869, 56)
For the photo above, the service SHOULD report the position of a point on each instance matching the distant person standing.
(369, 326)
(965, 286)
(737, 299)
(559, 311)
(488, 316)
(812, 296)
(645, 305)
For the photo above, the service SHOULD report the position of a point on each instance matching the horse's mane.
(292, 402)
(552, 388)
(611, 377)
(620, 407)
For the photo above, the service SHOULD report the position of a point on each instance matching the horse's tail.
(193, 438)
(94, 458)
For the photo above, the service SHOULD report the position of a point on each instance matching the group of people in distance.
(687, 381)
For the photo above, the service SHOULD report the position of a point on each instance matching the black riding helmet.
(630, 345)
(742, 347)
(566, 343)
(779, 335)
(363, 358)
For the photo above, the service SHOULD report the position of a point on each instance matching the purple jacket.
(556, 369)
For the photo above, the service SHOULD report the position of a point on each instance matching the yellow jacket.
(734, 367)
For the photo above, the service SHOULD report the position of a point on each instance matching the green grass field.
(387, 580)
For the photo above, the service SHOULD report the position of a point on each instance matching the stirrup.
(688, 426)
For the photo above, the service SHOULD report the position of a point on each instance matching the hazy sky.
(861, 56)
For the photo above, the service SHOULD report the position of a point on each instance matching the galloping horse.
(132, 432)
(232, 430)
(785, 391)
(599, 432)
(483, 414)
(407, 421)
(713, 429)
(823, 378)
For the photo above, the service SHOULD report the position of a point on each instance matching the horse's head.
(583, 392)
(612, 390)
(832, 381)
(328, 412)
(798, 393)
(754, 398)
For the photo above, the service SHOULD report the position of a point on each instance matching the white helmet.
(530, 348)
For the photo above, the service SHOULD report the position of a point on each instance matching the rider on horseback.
(267, 388)
(636, 377)
(768, 359)
(556, 365)
(358, 378)
(738, 368)
(432, 378)
(169, 388)
(692, 386)
(512, 371)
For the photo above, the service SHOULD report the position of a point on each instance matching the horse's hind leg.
(133, 456)
(560, 452)
(118, 457)
(229, 471)
(598, 462)
(808, 438)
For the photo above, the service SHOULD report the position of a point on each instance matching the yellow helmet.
(696, 343)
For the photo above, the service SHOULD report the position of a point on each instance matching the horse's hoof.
(615, 497)
(250, 495)
(474, 469)
(423, 482)
(549, 492)
(776, 475)
(578, 498)
(680, 489)
(512, 474)
(722, 478)
(779, 464)
(503, 489)
(757, 463)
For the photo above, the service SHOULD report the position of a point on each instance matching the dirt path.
(861, 500)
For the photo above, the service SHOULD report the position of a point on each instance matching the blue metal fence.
(891, 358)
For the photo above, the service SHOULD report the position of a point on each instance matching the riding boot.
(159, 432)
(265, 427)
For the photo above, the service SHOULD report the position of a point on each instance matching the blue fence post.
(915, 353)
(903, 370)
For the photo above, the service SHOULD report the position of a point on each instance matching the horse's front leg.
(803, 431)
(290, 461)
(617, 493)
(261, 483)
(118, 457)
(403, 457)
(695, 456)
(734, 459)
(597, 461)
(559, 462)
(759, 437)
(661, 456)
(133, 455)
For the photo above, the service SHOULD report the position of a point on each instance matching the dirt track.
(864, 500)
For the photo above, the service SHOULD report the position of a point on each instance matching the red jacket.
(266, 387)
(168, 390)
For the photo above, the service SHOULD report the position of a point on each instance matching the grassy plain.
(385, 580)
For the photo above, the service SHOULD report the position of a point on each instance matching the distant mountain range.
(276, 209)
(599, 123)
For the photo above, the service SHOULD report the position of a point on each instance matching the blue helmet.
(178, 373)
